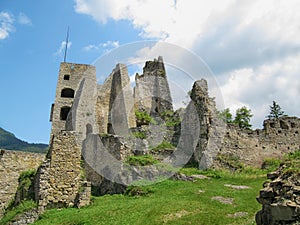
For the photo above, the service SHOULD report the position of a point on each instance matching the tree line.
(243, 115)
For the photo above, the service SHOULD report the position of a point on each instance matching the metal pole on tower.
(67, 41)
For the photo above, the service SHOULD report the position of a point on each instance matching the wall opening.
(51, 113)
(293, 125)
(66, 77)
(283, 125)
(67, 93)
(64, 111)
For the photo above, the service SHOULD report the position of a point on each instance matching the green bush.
(293, 155)
(144, 117)
(270, 164)
(138, 191)
(164, 145)
(170, 118)
(143, 160)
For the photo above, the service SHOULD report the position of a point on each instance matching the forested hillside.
(10, 142)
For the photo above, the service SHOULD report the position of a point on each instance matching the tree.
(225, 115)
(242, 117)
(275, 111)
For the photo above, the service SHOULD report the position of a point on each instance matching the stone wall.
(120, 115)
(60, 177)
(68, 82)
(12, 164)
(278, 136)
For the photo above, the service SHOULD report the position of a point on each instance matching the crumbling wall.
(278, 136)
(280, 198)
(120, 115)
(12, 164)
(212, 128)
(60, 177)
(152, 92)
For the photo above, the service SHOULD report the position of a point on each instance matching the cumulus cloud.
(252, 46)
(6, 24)
(257, 87)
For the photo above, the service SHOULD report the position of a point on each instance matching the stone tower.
(70, 79)
(152, 92)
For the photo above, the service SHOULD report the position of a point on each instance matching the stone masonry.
(12, 164)
(278, 136)
(152, 93)
(60, 178)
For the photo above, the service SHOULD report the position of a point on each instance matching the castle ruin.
(90, 120)
(95, 128)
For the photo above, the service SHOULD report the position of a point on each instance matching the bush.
(143, 160)
(271, 164)
(293, 155)
(138, 191)
(170, 118)
(144, 117)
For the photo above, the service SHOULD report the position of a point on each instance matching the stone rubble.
(280, 198)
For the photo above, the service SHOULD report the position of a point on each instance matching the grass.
(170, 202)
(22, 207)
(164, 145)
(143, 160)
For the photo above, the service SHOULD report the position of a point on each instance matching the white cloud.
(61, 49)
(256, 88)
(107, 46)
(6, 24)
(252, 46)
(24, 19)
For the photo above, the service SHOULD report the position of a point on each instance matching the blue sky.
(252, 47)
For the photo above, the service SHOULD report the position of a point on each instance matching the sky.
(252, 48)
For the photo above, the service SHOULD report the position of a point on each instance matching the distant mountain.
(10, 142)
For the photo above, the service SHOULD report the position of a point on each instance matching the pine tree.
(275, 111)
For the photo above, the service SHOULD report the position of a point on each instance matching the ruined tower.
(152, 92)
(73, 79)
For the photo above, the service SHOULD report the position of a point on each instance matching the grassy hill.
(172, 202)
(213, 201)
(10, 142)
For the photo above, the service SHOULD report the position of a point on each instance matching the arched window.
(64, 111)
(67, 93)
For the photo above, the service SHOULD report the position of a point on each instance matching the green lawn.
(172, 202)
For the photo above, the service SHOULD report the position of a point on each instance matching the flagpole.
(67, 41)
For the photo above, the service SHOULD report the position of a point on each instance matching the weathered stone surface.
(69, 82)
(60, 177)
(279, 200)
(26, 218)
(152, 92)
(120, 115)
(12, 164)
(273, 141)
(212, 128)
